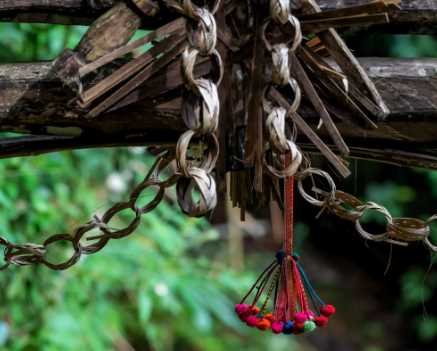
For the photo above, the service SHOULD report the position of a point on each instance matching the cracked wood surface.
(33, 101)
(415, 16)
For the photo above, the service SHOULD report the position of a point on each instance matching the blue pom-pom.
(288, 327)
(280, 255)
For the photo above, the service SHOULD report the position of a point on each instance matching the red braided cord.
(288, 242)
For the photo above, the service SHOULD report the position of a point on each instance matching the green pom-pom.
(309, 326)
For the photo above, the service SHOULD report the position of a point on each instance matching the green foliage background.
(168, 287)
(156, 290)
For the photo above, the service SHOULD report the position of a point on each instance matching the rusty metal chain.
(280, 16)
(399, 231)
(200, 111)
(99, 229)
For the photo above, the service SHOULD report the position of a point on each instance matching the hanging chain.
(197, 150)
(93, 236)
(200, 112)
(281, 18)
(399, 231)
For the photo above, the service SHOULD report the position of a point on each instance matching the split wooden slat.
(330, 83)
(168, 29)
(347, 61)
(311, 93)
(336, 161)
(141, 77)
(126, 71)
(255, 134)
(316, 26)
(372, 8)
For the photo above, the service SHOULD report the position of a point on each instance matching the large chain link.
(400, 231)
(200, 112)
(93, 236)
(281, 16)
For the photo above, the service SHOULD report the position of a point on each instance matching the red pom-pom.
(252, 321)
(264, 324)
(277, 327)
(327, 310)
(321, 321)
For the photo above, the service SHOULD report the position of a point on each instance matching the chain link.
(27, 254)
(280, 16)
(200, 112)
(399, 231)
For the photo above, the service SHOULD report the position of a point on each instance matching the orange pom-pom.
(269, 316)
(264, 324)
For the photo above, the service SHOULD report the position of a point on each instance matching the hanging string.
(296, 306)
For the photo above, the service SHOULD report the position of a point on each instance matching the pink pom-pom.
(277, 327)
(252, 321)
(242, 308)
(300, 317)
(321, 321)
(327, 310)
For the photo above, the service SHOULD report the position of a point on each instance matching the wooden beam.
(53, 11)
(33, 101)
(75, 12)
(415, 16)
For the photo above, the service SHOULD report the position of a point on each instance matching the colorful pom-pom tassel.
(286, 289)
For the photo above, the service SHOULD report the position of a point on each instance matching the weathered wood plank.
(53, 11)
(415, 16)
(34, 102)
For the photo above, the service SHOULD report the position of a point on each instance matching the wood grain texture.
(415, 16)
(53, 11)
(31, 100)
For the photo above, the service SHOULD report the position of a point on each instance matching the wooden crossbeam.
(413, 16)
(33, 102)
